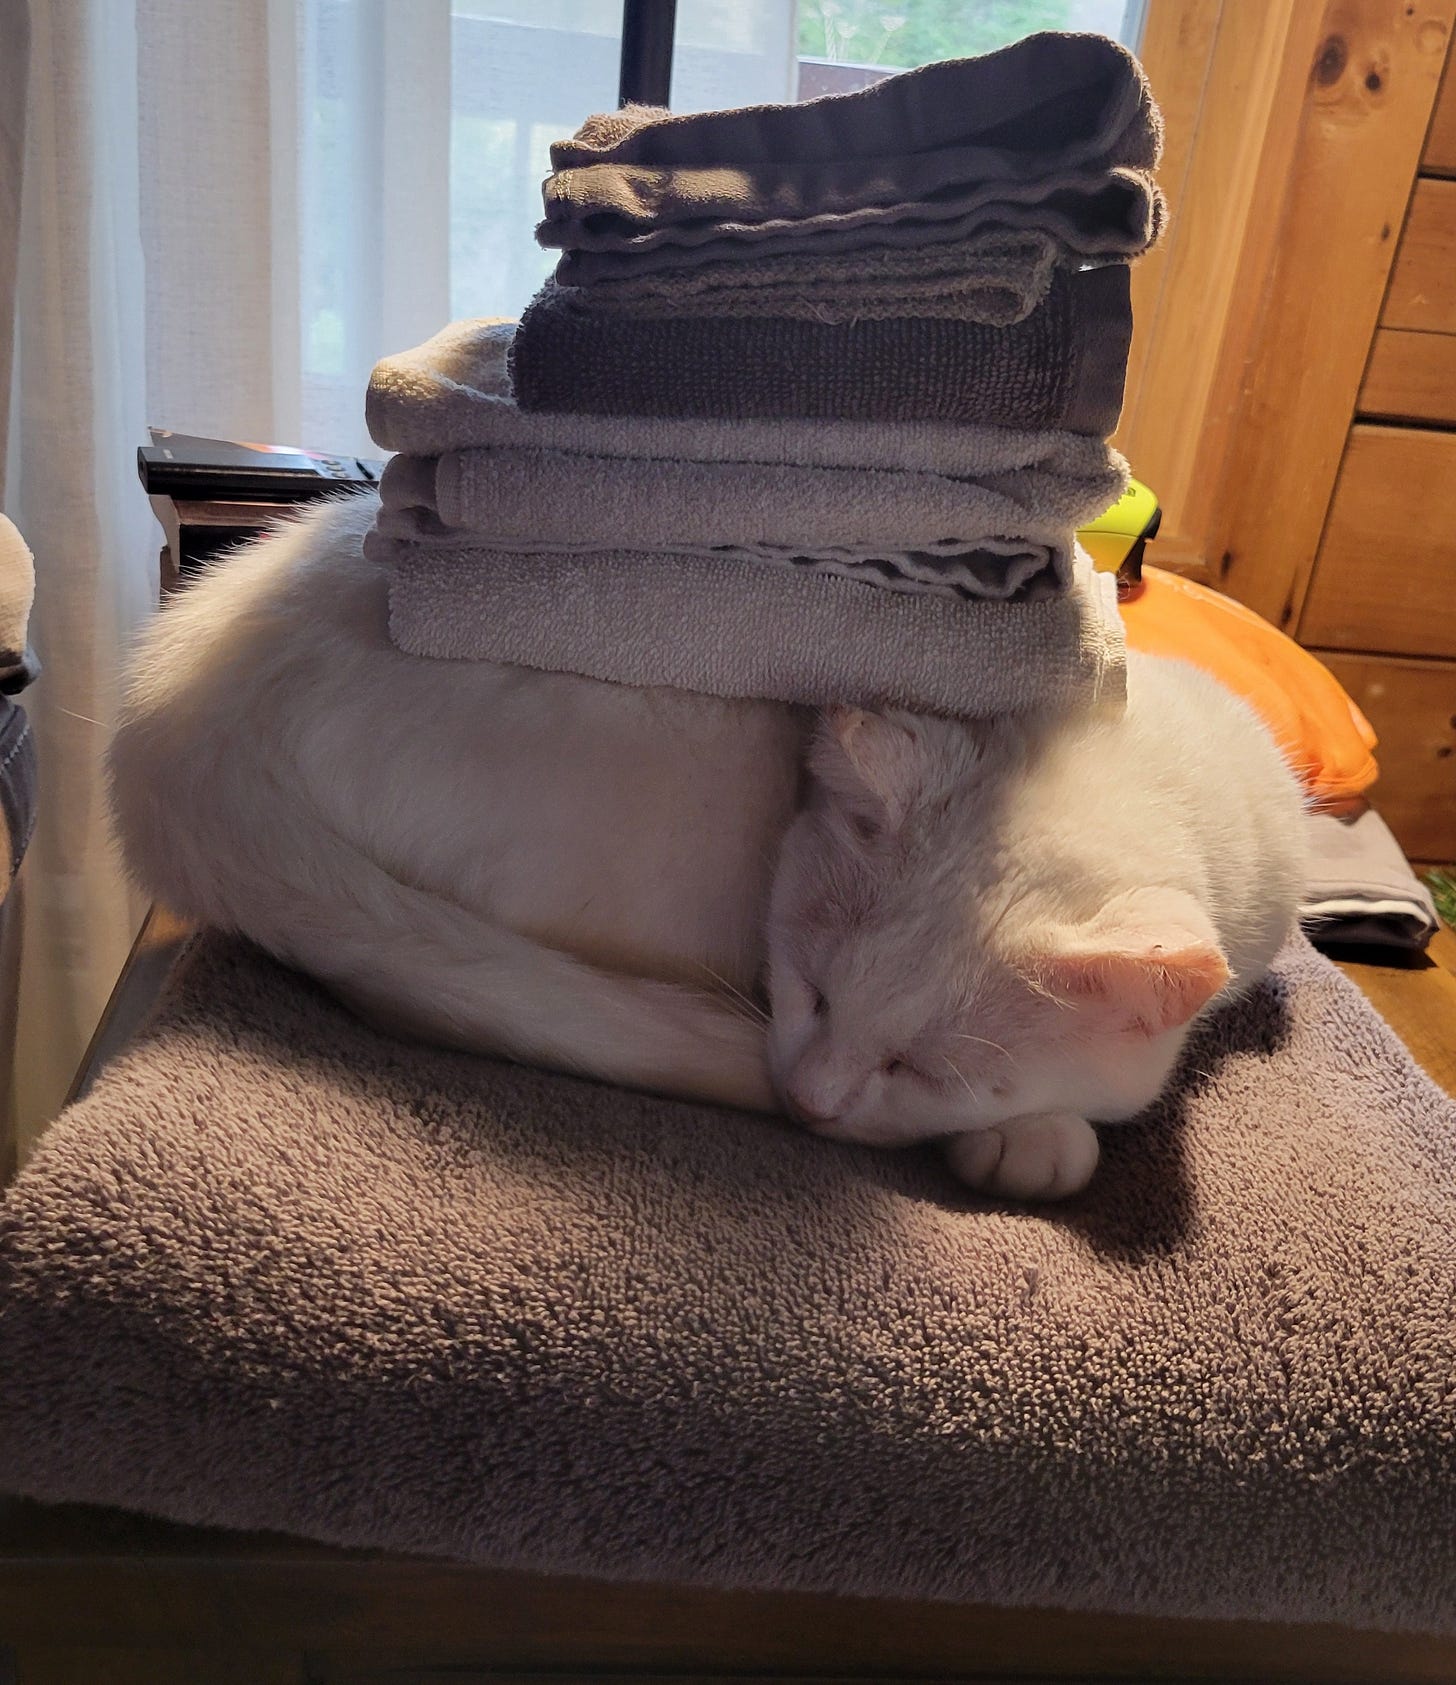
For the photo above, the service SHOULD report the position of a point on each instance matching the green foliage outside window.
(903, 33)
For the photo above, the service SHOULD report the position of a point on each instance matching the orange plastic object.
(1326, 737)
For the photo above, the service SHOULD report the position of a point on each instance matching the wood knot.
(1373, 82)
(1334, 55)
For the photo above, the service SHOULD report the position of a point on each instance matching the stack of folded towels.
(813, 407)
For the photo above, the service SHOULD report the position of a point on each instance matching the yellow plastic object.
(1326, 737)
(1111, 537)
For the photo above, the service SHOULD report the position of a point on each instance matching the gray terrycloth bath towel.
(737, 628)
(534, 499)
(1034, 131)
(996, 277)
(279, 1272)
(1063, 366)
(454, 393)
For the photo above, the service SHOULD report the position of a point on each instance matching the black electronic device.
(180, 466)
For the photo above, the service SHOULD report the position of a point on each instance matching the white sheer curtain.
(231, 209)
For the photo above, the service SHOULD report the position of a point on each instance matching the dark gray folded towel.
(1114, 215)
(997, 276)
(970, 142)
(1063, 366)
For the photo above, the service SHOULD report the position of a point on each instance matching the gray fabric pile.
(767, 403)
(1362, 892)
(1036, 136)
(279, 1272)
(803, 560)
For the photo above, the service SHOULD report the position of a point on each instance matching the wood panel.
(1423, 283)
(1412, 705)
(1386, 578)
(1411, 377)
(1418, 992)
(1196, 297)
(1439, 157)
(1364, 114)
(1176, 48)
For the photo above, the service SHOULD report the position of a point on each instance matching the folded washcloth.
(1361, 890)
(1063, 366)
(1111, 217)
(1032, 491)
(739, 629)
(1035, 135)
(997, 277)
(454, 392)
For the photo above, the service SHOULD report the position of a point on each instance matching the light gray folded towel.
(454, 392)
(995, 277)
(1362, 891)
(1036, 489)
(739, 629)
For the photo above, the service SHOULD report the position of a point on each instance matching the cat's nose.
(809, 1110)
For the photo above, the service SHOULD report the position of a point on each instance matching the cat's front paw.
(1047, 1157)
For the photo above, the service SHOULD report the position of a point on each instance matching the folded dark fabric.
(453, 393)
(1112, 215)
(280, 1272)
(1063, 366)
(1362, 891)
(997, 276)
(1053, 114)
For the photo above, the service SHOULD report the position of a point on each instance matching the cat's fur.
(1011, 924)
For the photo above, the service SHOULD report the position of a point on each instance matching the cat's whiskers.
(745, 1006)
(959, 1075)
(984, 1042)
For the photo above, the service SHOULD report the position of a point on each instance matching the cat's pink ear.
(869, 764)
(1146, 964)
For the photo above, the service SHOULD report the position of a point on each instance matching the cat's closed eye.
(820, 1005)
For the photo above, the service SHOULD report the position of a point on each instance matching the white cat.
(988, 933)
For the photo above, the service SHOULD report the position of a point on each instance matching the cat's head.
(917, 992)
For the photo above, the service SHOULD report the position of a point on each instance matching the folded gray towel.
(1362, 891)
(454, 392)
(535, 499)
(1111, 216)
(741, 629)
(1034, 135)
(992, 569)
(278, 1271)
(997, 277)
(1063, 366)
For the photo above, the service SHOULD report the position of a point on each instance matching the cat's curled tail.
(217, 821)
